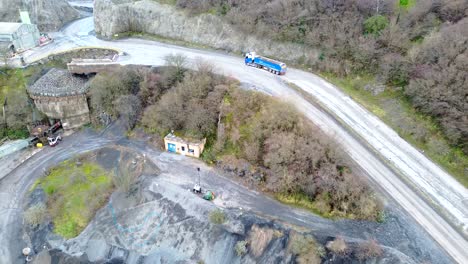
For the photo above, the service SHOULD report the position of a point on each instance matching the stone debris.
(58, 82)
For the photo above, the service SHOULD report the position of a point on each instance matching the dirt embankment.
(49, 15)
(113, 17)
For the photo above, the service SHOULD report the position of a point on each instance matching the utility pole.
(199, 184)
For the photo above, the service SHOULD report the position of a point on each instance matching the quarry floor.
(177, 175)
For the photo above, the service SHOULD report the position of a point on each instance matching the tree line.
(241, 126)
(419, 45)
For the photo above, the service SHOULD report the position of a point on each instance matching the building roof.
(58, 82)
(9, 28)
(174, 138)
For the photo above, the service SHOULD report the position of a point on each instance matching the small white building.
(179, 145)
(18, 37)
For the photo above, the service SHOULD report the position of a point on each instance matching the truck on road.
(273, 66)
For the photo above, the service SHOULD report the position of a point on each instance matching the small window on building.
(183, 148)
(191, 151)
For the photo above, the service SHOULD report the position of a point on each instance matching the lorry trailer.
(273, 66)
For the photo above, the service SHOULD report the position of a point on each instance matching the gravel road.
(407, 176)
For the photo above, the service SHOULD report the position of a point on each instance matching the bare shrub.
(107, 87)
(305, 247)
(338, 246)
(369, 249)
(129, 108)
(35, 215)
(259, 238)
(179, 63)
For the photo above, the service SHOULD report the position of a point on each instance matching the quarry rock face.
(49, 15)
(117, 16)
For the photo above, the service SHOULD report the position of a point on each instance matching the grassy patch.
(301, 200)
(74, 194)
(217, 217)
(406, 4)
(166, 2)
(419, 129)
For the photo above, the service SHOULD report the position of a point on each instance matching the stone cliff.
(49, 15)
(117, 16)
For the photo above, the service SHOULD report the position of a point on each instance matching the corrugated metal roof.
(9, 28)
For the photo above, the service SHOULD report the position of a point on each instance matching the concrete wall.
(73, 111)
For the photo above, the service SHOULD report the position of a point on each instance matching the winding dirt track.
(406, 175)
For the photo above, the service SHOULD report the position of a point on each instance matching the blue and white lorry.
(273, 66)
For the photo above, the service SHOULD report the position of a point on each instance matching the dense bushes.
(241, 126)
(190, 107)
(298, 157)
(439, 83)
(108, 88)
(375, 24)
(377, 37)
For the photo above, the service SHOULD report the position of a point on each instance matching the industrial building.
(17, 37)
(61, 95)
(179, 145)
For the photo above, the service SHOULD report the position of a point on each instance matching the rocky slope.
(49, 15)
(117, 16)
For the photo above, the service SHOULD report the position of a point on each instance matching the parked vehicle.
(54, 140)
(209, 196)
(273, 66)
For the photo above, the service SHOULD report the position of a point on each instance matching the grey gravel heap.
(57, 83)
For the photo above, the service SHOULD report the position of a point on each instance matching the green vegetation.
(166, 2)
(406, 4)
(241, 248)
(422, 131)
(306, 248)
(217, 217)
(13, 83)
(375, 24)
(74, 193)
(245, 128)
(301, 200)
(13, 88)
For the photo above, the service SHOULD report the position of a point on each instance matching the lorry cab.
(250, 57)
